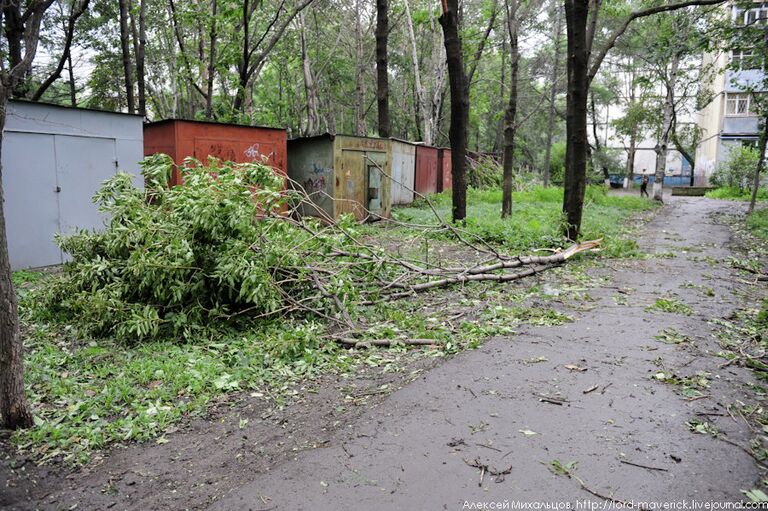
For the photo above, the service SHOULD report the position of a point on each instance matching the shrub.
(737, 170)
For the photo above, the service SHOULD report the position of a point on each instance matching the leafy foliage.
(174, 259)
(737, 170)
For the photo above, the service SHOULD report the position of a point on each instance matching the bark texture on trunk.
(310, 88)
(552, 96)
(576, 15)
(13, 405)
(510, 115)
(457, 132)
(125, 36)
(382, 72)
(14, 412)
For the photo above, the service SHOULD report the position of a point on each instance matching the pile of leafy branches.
(175, 261)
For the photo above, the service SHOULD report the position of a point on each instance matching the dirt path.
(412, 449)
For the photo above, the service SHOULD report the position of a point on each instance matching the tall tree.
(553, 92)
(22, 34)
(78, 9)
(457, 133)
(382, 71)
(125, 41)
(510, 115)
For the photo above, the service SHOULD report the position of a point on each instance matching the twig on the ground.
(484, 468)
(627, 462)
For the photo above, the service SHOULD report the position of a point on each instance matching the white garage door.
(49, 181)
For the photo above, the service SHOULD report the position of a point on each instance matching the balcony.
(741, 125)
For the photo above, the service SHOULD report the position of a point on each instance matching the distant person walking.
(644, 185)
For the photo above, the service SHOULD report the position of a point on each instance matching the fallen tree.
(175, 261)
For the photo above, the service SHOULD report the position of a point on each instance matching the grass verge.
(537, 220)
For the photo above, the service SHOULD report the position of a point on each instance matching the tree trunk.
(598, 148)
(630, 173)
(71, 82)
(382, 72)
(211, 71)
(126, 53)
(552, 96)
(760, 165)
(576, 14)
(666, 129)
(457, 133)
(310, 89)
(13, 405)
(140, 54)
(78, 9)
(422, 107)
(510, 114)
(360, 127)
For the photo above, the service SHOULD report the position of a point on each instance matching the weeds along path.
(600, 399)
(584, 395)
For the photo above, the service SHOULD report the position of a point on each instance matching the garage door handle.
(57, 189)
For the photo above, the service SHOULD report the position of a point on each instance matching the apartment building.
(729, 120)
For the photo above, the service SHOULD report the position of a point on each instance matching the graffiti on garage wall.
(316, 181)
(253, 153)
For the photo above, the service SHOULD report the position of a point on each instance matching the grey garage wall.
(54, 159)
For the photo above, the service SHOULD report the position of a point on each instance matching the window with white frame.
(745, 59)
(738, 104)
(755, 16)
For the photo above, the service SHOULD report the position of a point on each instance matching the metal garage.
(403, 171)
(343, 174)
(54, 159)
(230, 142)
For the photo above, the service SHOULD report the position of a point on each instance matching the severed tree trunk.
(666, 128)
(552, 95)
(510, 114)
(126, 53)
(382, 72)
(576, 14)
(457, 133)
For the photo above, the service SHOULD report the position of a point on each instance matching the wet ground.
(484, 426)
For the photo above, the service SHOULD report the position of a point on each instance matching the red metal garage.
(445, 180)
(241, 144)
(427, 164)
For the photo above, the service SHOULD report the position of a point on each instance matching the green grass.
(537, 219)
(735, 193)
(87, 395)
(757, 222)
(22, 277)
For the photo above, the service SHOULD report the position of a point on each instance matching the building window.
(738, 104)
(745, 59)
(755, 16)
